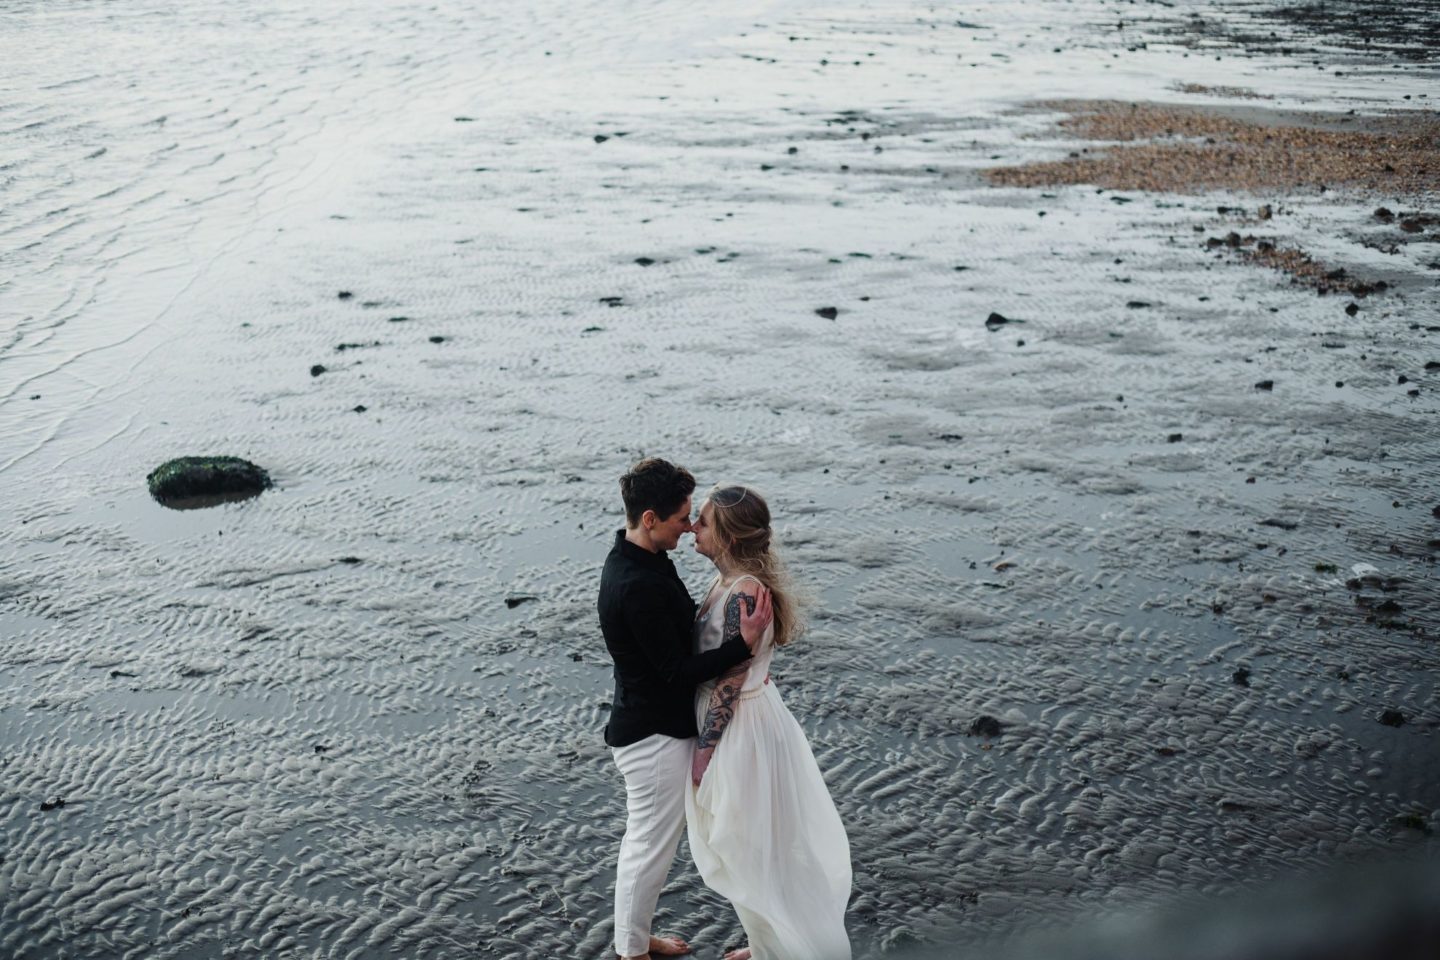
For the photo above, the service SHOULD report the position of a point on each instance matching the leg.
(655, 770)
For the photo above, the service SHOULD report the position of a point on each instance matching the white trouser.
(655, 770)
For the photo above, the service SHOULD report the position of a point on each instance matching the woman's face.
(704, 531)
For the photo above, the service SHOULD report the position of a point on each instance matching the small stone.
(513, 602)
(1384, 215)
(1392, 718)
(601, 138)
(644, 261)
(1175, 438)
(344, 295)
(985, 726)
(360, 408)
(437, 339)
(1241, 677)
(828, 313)
(317, 369)
(1265, 385)
(52, 804)
(1352, 308)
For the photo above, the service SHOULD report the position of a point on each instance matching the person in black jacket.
(647, 618)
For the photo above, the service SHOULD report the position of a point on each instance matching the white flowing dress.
(762, 827)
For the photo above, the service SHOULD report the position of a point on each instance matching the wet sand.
(528, 248)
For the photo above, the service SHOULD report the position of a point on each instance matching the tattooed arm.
(723, 698)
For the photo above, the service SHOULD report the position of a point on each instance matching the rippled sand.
(360, 715)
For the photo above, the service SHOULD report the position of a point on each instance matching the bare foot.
(743, 953)
(668, 947)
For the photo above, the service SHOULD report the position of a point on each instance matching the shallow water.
(309, 724)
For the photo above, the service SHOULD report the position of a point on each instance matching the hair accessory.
(728, 496)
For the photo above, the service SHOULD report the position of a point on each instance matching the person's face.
(704, 531)
(666, 533)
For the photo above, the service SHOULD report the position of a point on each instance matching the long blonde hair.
(741, 518)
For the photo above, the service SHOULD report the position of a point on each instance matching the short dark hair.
(654, 484)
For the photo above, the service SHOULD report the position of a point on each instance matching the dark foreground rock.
(204, 481)
(985, 726)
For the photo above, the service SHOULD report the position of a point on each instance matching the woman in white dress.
(762, 827)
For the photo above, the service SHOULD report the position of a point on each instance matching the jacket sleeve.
(664, 643)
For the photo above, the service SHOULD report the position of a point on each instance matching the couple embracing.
(700, 734)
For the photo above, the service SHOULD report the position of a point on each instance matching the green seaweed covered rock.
(205, 481)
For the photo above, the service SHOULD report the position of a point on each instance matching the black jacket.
(647, 617)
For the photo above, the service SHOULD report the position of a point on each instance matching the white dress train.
(762, 827)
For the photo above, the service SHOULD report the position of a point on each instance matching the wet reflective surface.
(310, 725)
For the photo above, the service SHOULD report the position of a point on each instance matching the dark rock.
(344, 295)
(1233, 239)
(1384, 215)
(52, 804)
(1241, 677)
(645, 261)
(827, 313)
(204, 481)
(1137, 305)
(1352, 308)
(1411, 225)
(317, 369)
(513, 602)
(360, 408)
(399, 319)
(601, 138)
(1392, 718)
(1432, 365)
(985, 726)
(1388, 607)
(1412, 821)
(612, 301)
(117, 674)
(1175, 438)
(1435, 512)
(995, 321)
(1265, 213)
(464, 119)
(1265, 385)
(1167, 751)
(342, 347)
(437, 339)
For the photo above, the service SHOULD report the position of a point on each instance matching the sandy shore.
(1124, 544)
